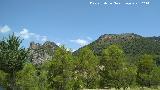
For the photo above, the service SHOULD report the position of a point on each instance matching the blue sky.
(76, 22)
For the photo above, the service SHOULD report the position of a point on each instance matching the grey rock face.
(39, 53)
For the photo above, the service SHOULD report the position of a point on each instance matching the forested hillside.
(132, 44)
(119, 61)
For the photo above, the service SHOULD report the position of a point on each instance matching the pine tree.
(86, 68)
(155, 77)
(60, 70)
(27, 78)
(12, 58)
(145, 66)
(115, 72)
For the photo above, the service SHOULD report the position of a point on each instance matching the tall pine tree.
(86, 67)
(12, 58)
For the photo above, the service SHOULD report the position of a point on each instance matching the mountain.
(131, 43)
(38, 53)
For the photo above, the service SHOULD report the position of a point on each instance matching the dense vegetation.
(105, 63)
(132, 44)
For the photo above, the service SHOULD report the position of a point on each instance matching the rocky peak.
(116, 37)
(38, 53)
(34, 45)
(119, 35)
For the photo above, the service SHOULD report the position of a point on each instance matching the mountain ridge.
(136, 44)
(131, 43)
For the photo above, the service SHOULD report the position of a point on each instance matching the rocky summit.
(38, 53)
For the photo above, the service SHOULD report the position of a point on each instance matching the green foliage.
(131, 44)
(141, 46)
(155, 77)
(86, 68)
(157, 59)
(145, 67)
(128, 77)
(60, 70)
(31, 78)
(112, 61)
(42, 74)
(26, 78)
(115, 73)
(12, 57)
(3, 76)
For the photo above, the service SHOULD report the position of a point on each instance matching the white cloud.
(73, 50)
(89, 38)
(59, 44)
(44, 38)
(80, 42)
(5, 29)
(25, 34)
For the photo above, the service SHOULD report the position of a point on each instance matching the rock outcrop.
(38, 53)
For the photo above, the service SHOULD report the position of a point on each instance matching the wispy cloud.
(25, 34)
(44, 38)
(5, 29)
(81, 42)
(89, 38)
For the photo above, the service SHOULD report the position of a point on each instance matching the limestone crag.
(38, 53)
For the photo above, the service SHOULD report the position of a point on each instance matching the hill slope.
(131, 43)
